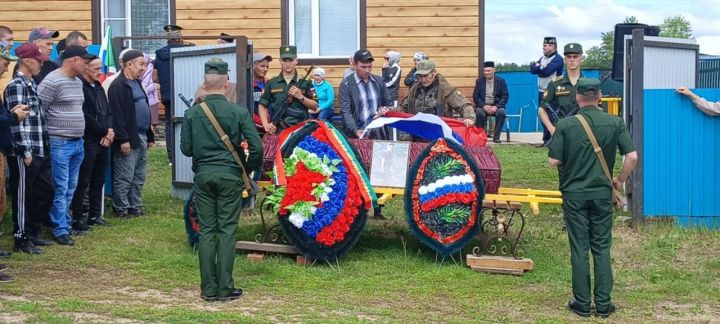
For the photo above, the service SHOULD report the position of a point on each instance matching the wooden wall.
(63, 15)
(445, 30)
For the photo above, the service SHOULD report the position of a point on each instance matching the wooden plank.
(512, 272)
(414, 11)
(265, 247)
(62, 26)
(519, 191)
(227, 4)
(47, 16)
(384, 199)
(526, 199)
(422, 3)
(450, 41)
(45, 5)
(255, 257)
(226, 24)
(252, 33)
(422, 32)
(499, 262)
(422, 22)
(224, 13)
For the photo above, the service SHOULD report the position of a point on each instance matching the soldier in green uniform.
(587, 194)
(287, 87)
(559, 97)
(218, 179)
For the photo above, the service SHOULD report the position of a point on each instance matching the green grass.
(143, 270)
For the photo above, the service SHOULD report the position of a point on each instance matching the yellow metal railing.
(613, 105)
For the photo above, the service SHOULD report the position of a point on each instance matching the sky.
(514, 26)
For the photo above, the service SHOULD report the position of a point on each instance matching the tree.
(512, 67)
(600, 57)
(676, 27)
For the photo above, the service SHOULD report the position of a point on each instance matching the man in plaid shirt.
(30, 173)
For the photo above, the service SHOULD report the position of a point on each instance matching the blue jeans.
(66, 156)
(326, 114)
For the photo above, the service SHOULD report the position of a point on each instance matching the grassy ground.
(141, 270)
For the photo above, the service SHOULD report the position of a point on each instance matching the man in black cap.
(547, 67)
(61, 99)
(490, 96)
(162, 65)
(363, 97)
(133, 134)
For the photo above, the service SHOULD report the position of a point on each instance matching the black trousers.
(92, 176)
(32, 190)
(481, 120)
(169, 129)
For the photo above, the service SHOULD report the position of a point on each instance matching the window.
(325, 28)
(142, 18)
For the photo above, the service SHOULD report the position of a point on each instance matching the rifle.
(187, 102)
(279, 112)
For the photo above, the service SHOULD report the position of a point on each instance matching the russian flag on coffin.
(430, 127)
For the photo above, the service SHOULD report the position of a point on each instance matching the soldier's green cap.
(288, 51)
(424, 67)
(5, 53)
(573, 48)
(216, 66)
(588, 86)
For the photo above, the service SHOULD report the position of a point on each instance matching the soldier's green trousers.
(218, 201)
(589, 227)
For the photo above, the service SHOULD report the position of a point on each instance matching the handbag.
(251, 187)
(619, 200)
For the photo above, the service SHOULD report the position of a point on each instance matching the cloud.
(514, 29)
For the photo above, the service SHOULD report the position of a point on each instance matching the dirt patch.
(14, 317)
(96, 318)
(688, 313)
(627, 249)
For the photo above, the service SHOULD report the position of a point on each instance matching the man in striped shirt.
(61, 96)
(29, 163)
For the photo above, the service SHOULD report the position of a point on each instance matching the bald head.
(216, 83)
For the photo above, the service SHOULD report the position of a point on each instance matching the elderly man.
(30, 171)
(363, 97)
(61, 99)
(547, 67)
(218, 178)
(133, 135)
(585, 168)
(97, 138)
(432, 94)
(491, 96)
(43, 38)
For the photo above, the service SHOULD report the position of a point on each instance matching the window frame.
(287, 32)
(98, 15)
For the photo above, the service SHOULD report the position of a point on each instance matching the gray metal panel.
(188, 73)
(669, 68)
(182, 193)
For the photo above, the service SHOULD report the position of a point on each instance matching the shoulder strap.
(596, 147)
(228, 143)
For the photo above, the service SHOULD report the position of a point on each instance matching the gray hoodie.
(391, 74)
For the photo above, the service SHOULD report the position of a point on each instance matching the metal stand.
(496, 229)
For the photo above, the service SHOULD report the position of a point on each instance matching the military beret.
(490, 64)
(288, 51)
(216, 66)
(424, 67)
(588, 86)
(550, 40)
(573, 48)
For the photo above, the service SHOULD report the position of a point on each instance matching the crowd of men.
(58, 131)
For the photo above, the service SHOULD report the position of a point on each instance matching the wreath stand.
(499, 252)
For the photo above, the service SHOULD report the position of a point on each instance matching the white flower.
(313, 210)
(422, 190)
(297, 220)
(324, 198)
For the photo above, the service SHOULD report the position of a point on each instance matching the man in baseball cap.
(42, 33)
(31, 51)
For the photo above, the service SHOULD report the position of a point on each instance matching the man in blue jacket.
(548, 67)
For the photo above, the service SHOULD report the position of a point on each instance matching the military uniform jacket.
(276, 93)
(200, 141)
(559, 97)
(581, 174)
(440, 98)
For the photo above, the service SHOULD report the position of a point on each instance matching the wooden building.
(448, 31)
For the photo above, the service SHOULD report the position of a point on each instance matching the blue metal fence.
(522, 87)
(681, 153)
